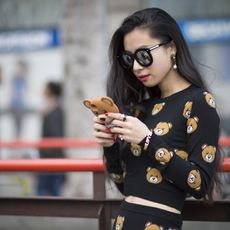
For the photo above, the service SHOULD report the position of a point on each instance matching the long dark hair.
(123, 87)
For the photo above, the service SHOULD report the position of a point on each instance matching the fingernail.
(114, 137)
(107, 130)
(102, 119)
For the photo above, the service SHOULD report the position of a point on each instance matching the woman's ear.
(173, 48)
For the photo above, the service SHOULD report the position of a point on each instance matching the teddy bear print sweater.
(178, 158)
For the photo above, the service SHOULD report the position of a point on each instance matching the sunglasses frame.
(135, 57)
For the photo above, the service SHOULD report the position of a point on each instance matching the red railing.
(50, 143)
(68, 164)
(69, 143)
(224, 141)
(54, 165)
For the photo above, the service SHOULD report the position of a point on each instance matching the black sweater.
(180, 158)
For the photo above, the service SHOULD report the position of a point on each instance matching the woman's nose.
(136, 65)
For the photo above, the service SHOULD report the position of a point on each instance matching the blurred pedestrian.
(52, 126)
(18, 94)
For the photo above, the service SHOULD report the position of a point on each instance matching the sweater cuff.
(152, 142)
(145, 142)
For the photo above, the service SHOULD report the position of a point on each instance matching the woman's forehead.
(138, 38)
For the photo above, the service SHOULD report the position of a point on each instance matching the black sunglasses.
(142, 55)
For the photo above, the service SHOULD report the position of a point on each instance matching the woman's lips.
(143, 78)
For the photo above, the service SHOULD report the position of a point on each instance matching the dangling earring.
(173, 57)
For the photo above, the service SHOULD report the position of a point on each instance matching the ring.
(121, 137)
(124, 117)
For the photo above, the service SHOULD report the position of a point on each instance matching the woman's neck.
(173, 84)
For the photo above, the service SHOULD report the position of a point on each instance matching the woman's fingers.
(118, 116)
(128, 128)
(120, 120)
(104, 139)
(117, 130)
(99, 127)
(104, 135)
(97, 120)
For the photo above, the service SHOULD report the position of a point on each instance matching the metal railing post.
(99, 193)
(99, 186)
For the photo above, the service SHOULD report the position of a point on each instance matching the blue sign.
(28, 40)
(206, 30)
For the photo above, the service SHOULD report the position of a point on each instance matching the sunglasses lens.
(144, 57)
(126, 60)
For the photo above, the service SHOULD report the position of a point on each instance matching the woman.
(163, 144)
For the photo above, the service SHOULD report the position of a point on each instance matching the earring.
(173, 57)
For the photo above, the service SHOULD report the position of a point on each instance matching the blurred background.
(66, 42)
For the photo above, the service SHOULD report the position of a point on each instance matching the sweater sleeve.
(192, 172)
(114, 165)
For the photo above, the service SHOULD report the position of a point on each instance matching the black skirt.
(139, 217)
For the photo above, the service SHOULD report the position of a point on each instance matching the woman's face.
(161, 68)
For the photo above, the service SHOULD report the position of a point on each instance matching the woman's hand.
(102, 134)
(128, 128)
